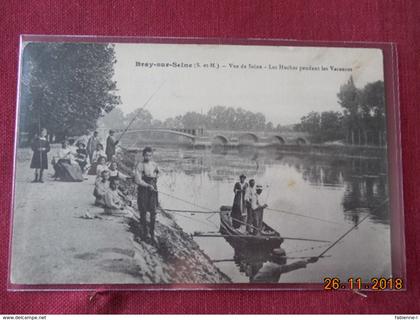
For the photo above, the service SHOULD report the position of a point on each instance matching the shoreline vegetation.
(91, 247)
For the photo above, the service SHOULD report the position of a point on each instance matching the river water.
(333, 193)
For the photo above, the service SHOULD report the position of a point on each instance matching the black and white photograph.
(196, 164)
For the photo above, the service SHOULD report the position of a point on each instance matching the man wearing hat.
(258, 209)
(110, 145)
(239, 201)
(249, 193)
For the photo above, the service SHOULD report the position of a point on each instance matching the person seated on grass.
(114, 173)
(97, 154)
(100, 167)
(65, 166)
(114, 203)
(101, 188)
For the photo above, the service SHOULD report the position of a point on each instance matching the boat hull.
(268, 240)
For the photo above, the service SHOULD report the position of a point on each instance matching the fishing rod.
(350, 230)
(138, 113)
(250, 236)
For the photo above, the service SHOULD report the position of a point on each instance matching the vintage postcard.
(193, 164)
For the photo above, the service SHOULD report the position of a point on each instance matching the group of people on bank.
(248, 203)
(111, 197)
(73, 161)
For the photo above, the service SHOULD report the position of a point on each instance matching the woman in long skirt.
(239, 201)
(40, 146)
(66, 167)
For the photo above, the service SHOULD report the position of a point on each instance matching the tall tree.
(331, 126)
(348, 98)
(66, 87)
(325, 126)
(372, 99)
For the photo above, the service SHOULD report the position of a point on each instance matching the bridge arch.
(248, 138)
(276, 139)
(301, 141)
(220, 140)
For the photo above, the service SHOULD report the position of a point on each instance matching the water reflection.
(325, 186)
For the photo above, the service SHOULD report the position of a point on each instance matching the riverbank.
(59, 237)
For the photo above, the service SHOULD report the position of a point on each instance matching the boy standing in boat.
(258, 209)
(145, 176)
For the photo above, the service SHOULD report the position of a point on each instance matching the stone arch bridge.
(202, 137)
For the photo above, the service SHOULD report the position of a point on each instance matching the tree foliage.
(66, 87)
(325, 126)
(218, 117)
(362, 120)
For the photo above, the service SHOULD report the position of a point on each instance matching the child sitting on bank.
(114, 203)
(100, 167)
(101, 188)
(114, 173)
(96, 156)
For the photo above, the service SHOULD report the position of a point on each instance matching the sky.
(283, 96)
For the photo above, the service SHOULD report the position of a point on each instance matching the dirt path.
(54, 244)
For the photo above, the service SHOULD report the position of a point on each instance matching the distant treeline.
(218, 117)
(361, 121)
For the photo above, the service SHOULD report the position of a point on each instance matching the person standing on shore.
(145, 176)
(92, 145)
(111, 143)
(40, 146)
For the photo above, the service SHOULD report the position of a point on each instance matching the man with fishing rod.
(111, 143)
(145, 176)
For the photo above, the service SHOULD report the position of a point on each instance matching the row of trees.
(218, 117)
(362, 120)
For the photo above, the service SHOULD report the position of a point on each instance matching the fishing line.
(191, 211)
(304, 216)
(309, 248)
(186, 201)
(191, 218)
(351, 229)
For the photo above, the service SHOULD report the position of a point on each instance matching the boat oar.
(250, 236)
